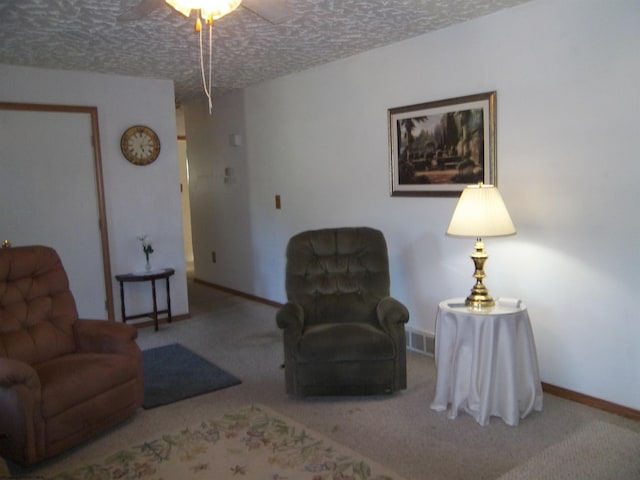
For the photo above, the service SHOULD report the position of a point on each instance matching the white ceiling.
(85, 35)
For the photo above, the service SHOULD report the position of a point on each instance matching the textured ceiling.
(85, 35)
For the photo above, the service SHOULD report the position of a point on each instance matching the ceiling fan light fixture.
(209, 9)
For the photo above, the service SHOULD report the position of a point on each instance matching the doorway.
(184, 191)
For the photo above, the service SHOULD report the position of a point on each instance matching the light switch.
(235, 139)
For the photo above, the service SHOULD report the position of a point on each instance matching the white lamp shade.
(480, 212)
(213, 9)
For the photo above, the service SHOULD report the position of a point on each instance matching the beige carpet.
(252, 442)
(598, 451)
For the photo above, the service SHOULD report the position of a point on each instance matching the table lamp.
(480, 212)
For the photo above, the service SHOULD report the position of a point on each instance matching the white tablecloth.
(486, 362)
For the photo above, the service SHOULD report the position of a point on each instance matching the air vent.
(421, 342)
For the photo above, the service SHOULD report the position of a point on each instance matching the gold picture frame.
(437, 148)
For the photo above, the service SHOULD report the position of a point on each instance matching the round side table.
(486, 362)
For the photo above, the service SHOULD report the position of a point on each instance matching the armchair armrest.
(391, 313)
(15, 372)
(104, 337)
(21, 423)
(290, 317)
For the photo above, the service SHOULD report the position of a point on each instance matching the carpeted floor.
(597, 451)
(398, 431)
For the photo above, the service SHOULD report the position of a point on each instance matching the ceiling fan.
(273, 11)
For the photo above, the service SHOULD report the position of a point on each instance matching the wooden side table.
(150, 276)
(486, 362)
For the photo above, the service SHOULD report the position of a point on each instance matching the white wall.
(566, 75)
(139, 200)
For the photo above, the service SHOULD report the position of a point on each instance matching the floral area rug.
(252, 443)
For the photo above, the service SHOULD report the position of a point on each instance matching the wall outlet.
(213, 256)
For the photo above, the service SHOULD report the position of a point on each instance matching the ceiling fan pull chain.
(210, 61)
(207, 89)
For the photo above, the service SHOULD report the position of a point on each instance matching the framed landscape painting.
(438, 148)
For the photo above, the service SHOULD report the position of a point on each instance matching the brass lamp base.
(479, 298)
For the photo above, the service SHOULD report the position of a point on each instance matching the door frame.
(97, 159)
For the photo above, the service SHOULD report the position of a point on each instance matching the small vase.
(147, 265)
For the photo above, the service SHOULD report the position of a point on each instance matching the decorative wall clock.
(140, 145)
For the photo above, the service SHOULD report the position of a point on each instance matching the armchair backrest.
(37, 309)
(338, 274)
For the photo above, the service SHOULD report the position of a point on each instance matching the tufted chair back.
(37, 309)
(338, 274)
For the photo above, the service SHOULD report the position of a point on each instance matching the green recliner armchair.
(343, 334)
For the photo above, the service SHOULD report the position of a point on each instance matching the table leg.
(155, 304)
(124, 317)
(168, 300)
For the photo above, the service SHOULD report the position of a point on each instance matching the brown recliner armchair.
(62, 379)
(343, 333)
